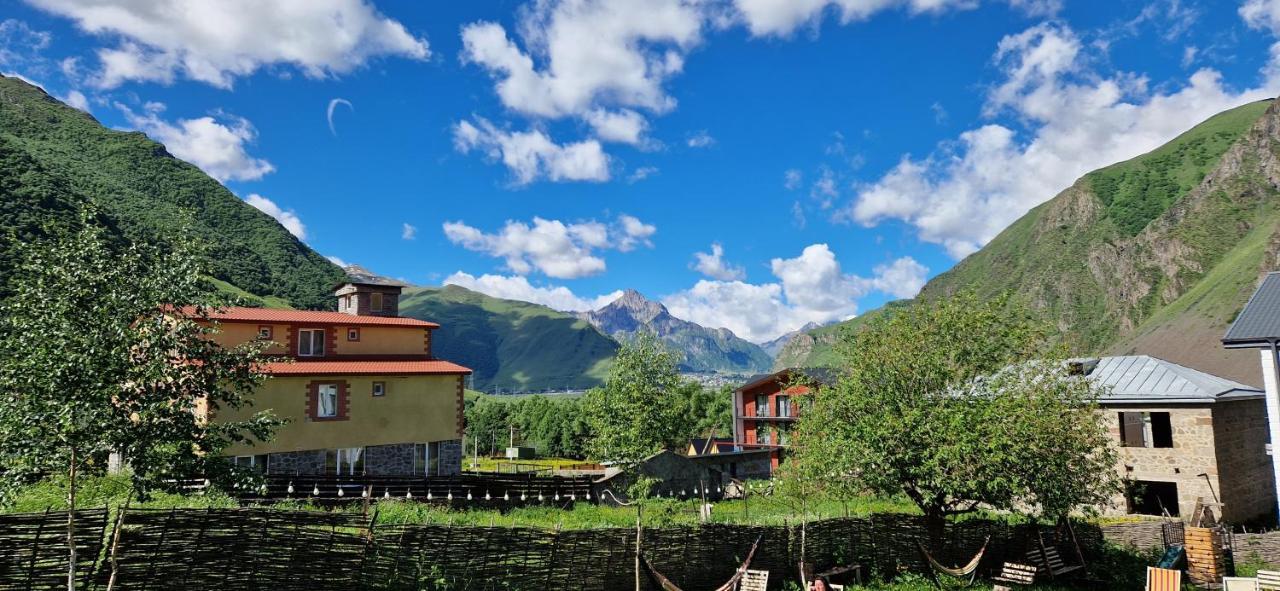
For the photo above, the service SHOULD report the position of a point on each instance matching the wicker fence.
(273, 550)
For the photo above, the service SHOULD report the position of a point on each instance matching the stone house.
(359, 388)
(1184, 436)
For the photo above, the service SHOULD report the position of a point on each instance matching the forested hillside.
(511, 346)
(54, 159)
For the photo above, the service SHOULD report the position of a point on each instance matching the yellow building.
(359, 387)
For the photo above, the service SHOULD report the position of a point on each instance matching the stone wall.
(307, 463)
(389, 460)
(1246, 484)
(451, 457)
(1193, 453)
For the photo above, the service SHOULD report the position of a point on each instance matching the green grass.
(511, 345)
(1137, 191)
(250, 299)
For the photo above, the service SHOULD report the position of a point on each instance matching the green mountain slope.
(1153, 255)
(511, 345)
(54, 158)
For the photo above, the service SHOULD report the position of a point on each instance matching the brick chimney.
(368, 299)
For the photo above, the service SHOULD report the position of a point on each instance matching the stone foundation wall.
(451, 457)
(389, 460)
(1247, 485)
(303, 463)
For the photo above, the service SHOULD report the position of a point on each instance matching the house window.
(264, 333)
(258, 462)
(346, 461)
(375, 302)
(1145, 429)
(327, 401)
(379, 388)
(1149, 497)
(762, 405)
(311, 342)
(764, 436)
(784, 406)
(426, 459)
(353, 334)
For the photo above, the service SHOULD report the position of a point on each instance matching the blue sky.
(755, 164)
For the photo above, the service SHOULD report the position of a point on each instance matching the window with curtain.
(762, 405)
(327, 401)
(311, 342)
(784, 406)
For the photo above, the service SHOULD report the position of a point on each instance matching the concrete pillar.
(1270, 363)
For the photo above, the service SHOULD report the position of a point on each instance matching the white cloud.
(783, 17)
(21, 46)
(532, 155)
(792, 179)
(552, 247)
(1077, 120)
(76, 99)
(328, 113)
(337, 261)
(286, 217)
(515, 287)
(713, 265)
(809, 288)
(625, 126)
(408, 232)
(642, 173)
(216, 42)
(1262, 14)
(701, 139)
(215, 144)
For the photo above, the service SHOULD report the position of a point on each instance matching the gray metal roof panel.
(1145, 378)
(1259, 321)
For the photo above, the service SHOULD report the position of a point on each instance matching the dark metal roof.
(823, 376)
(1258, 324)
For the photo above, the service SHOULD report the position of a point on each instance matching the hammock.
(667, 585)
(969, 570)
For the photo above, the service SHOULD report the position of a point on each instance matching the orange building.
(359, 389)
(764, 409)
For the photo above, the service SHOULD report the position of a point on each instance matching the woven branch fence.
(256, 548)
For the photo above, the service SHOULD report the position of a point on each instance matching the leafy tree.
(957, 404)
(639, 410)
(103, 351)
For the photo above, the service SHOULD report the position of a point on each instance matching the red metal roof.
(269, 315)
(328, 368)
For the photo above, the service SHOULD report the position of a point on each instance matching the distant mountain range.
(1154, 255)
(701, 349)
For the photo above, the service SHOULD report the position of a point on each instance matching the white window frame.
(784, 406)
(324, 391)
(307, 335)
(379, 388)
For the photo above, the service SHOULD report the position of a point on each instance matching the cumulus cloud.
(515, 287)
(625, 126)
(76, 99)
(215, 143)
(713, 265)
(811, 287)
(783, 17)
(408, 232)
(532, 155)
(286, 217)
(552, 247)
(216, 42)
(1077, 120)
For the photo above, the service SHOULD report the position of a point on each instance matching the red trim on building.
(462, 419)
(274, 316)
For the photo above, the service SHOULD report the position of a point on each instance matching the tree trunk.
(71, 524)
(935, 523)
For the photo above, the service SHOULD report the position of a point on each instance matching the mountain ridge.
(701, 349)
(1155, 254)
